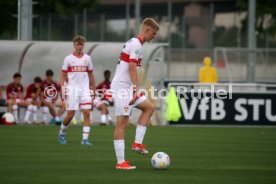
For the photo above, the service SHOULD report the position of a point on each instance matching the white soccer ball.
(160, 160)
(9, 118)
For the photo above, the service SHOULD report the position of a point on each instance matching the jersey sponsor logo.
(77, 69)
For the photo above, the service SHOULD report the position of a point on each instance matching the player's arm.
(38, 92)
(57, 91)
(9, 93)
(92, 83)
(91, 77)
(100, 86)
(133, 74)
(134, 80)
(133, 61)
(21, 95)
(62, 79)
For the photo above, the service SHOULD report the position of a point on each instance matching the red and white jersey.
(103, 89)
(45, 84)
(32, 89)
(49, 89)
(77, 68)
(15, 89)
(131, 52)
(104, 85)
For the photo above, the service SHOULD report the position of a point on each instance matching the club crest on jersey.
(126, 109)
(85, 62)
(136, 52)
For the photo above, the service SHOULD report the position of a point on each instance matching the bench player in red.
(15, 96)
(104, 99)
(33, 97)
(50, 98)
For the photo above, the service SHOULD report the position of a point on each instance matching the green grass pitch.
(215, 155)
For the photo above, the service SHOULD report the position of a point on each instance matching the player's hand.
(54, 100)
(92, 94)
(135, 97)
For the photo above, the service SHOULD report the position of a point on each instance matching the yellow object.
(74, 121)
(173, 110)
(207, 73)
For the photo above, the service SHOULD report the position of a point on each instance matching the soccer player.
(105, 99)
(77, 72)
(126, 95)
(15, 98)
(50, 98)
(33, 97)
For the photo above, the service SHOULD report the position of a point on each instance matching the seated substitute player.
(50, 98)
(126, 94)
(105, 99)
(33, 97)
(80, 86)
(15, 97)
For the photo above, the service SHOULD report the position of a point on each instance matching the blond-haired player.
(125, 89)
(77, 71)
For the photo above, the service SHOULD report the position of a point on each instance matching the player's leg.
(122, 111)
(147, 109)
(18, 103)
(64, 125)
(36, 105)
(29, 111)
(109, 118)
(119, 143)
(50, 107)
(86, 127)
(86, 106)
(45, 113)
(103, 108)
(13, 108)
(72, 106)
(62, 107)
(9, 105)
(100, 106)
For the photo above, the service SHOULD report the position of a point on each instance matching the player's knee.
(71, 115)
(86, 113)
(46, 103)
(9, 102)
(104, 109)
(150, 109)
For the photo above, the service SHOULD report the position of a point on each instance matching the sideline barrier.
(226, 104)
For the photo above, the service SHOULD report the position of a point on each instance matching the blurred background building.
(191, 28)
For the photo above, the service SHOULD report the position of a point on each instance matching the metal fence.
(231, 64)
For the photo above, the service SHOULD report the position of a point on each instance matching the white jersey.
(131, 52)
(77, 68)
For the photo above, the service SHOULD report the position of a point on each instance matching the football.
(160, 160)
(8, 119)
